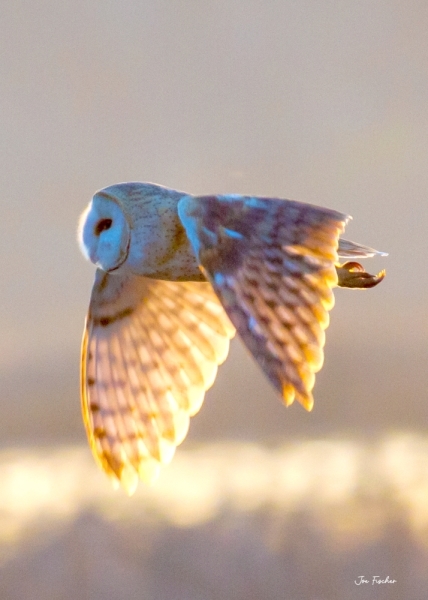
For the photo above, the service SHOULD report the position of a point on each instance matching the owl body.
(177, 276)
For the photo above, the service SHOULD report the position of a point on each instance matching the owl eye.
(102, 225)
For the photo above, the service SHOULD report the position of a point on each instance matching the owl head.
(135, 227)
(104, 232)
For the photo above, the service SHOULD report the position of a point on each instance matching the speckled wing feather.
(150, 351)
(272, 264)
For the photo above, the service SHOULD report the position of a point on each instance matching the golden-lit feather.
(273, 266)
(150, 351)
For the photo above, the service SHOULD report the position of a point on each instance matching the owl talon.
(352, 275)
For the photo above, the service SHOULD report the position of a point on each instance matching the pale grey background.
(323, 102)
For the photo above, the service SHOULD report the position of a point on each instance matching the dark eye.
(102, 225)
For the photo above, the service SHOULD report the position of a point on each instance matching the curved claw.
(352, 275)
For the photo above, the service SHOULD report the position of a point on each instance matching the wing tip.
(289, 394)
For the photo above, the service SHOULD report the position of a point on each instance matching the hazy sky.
(324, 102)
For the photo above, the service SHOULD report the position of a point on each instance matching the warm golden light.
(331, 479)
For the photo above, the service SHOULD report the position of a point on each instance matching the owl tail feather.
(352, 275)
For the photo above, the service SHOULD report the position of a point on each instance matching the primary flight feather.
(177, 275)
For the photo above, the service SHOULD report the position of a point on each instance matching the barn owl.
(176, 276)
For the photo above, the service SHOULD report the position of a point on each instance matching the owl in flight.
(176, 276)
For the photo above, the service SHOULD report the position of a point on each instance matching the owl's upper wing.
(272, 264)
(150, 351)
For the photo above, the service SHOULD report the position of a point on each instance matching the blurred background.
(323, 102)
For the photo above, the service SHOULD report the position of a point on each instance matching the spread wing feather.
(150, 351)
(272, 264)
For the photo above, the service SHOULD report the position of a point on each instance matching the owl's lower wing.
(272, 264)
(150, 351)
